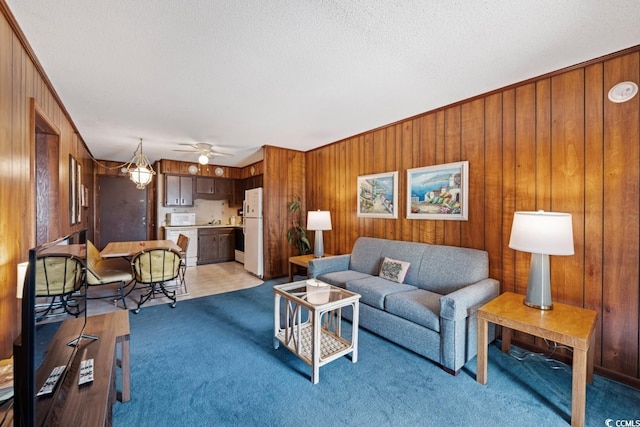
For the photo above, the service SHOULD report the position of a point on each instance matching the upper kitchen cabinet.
(178, 190)
(204, 185)
(253, 182)
(223, 186)
(238, 192)
(214, 188)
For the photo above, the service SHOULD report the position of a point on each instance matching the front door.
(122, 210)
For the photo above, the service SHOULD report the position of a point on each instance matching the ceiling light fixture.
(203, 159)
(622, 92)
(139, 168)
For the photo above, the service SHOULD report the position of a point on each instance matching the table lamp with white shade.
(542, 234)
(318, 221)
(22, 274)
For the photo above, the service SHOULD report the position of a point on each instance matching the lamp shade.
(22, 274)
(141, 176)
(549, 233)
(319, 220)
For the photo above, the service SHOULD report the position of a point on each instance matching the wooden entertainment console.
(89, 404)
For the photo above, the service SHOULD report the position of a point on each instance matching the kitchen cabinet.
(215, 245)
(238, 192)
(223, 186)
(214, 188)
(204, 185)
(178, 190)
(240, 185)
(253, 182)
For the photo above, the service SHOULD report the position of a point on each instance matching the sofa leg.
(450, 371)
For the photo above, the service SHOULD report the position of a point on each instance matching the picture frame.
(439, 192)
(73, 193)
(378, 195)
(85, 196)
(79, 192)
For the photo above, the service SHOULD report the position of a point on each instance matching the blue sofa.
(433, 311)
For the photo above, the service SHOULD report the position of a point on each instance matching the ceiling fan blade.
(187, 151)
(218, 153)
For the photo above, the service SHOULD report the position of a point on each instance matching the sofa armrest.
(318, 266)
(459, 304)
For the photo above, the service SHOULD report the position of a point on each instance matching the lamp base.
(318, 245)
(539, 285)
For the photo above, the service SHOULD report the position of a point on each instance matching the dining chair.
(101, 271)
(183, 242)
(59, 277)
(155, 267)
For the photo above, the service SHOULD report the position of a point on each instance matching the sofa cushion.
(418, 306)
(445, 269)
(340, 278)
(410, 252)
(393, 269)
(367, 254)
(373, 290)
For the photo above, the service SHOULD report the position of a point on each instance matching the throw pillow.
(394, 270)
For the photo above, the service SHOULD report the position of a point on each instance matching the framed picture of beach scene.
(378, 195)
(438, 192)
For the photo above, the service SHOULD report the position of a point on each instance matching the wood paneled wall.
(554, 143)
(284, 177)
(24, 94)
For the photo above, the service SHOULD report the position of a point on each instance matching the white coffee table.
(312, 323)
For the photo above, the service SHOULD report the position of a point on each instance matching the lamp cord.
(553, 347)
(125, 164)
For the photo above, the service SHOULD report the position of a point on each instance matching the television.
(37, 330)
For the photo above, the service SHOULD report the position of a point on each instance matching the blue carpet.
(211, 362)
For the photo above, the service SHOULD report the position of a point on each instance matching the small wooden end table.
(301, 261)
(564, 324)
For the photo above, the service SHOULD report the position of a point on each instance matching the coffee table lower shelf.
(331, 346)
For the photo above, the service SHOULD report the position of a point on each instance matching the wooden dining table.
(129, 249)
(77, 250)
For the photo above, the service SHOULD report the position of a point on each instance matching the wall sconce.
(318, 221)
(542, 234)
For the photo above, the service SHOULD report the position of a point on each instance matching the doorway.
(122, 210)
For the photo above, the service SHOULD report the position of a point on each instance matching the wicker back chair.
(58, 277)
(155, 267)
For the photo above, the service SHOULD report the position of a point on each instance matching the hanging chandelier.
(139, 168)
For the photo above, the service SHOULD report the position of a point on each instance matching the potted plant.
(297, 234)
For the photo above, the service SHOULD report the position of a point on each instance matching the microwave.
(182, 218)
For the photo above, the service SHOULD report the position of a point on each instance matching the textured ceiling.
(294, 73)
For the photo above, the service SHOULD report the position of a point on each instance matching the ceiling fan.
(205, 150)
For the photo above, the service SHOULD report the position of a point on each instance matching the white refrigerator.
(253, 240)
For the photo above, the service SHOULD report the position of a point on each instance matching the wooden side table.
(301, 261)
(564, 324)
